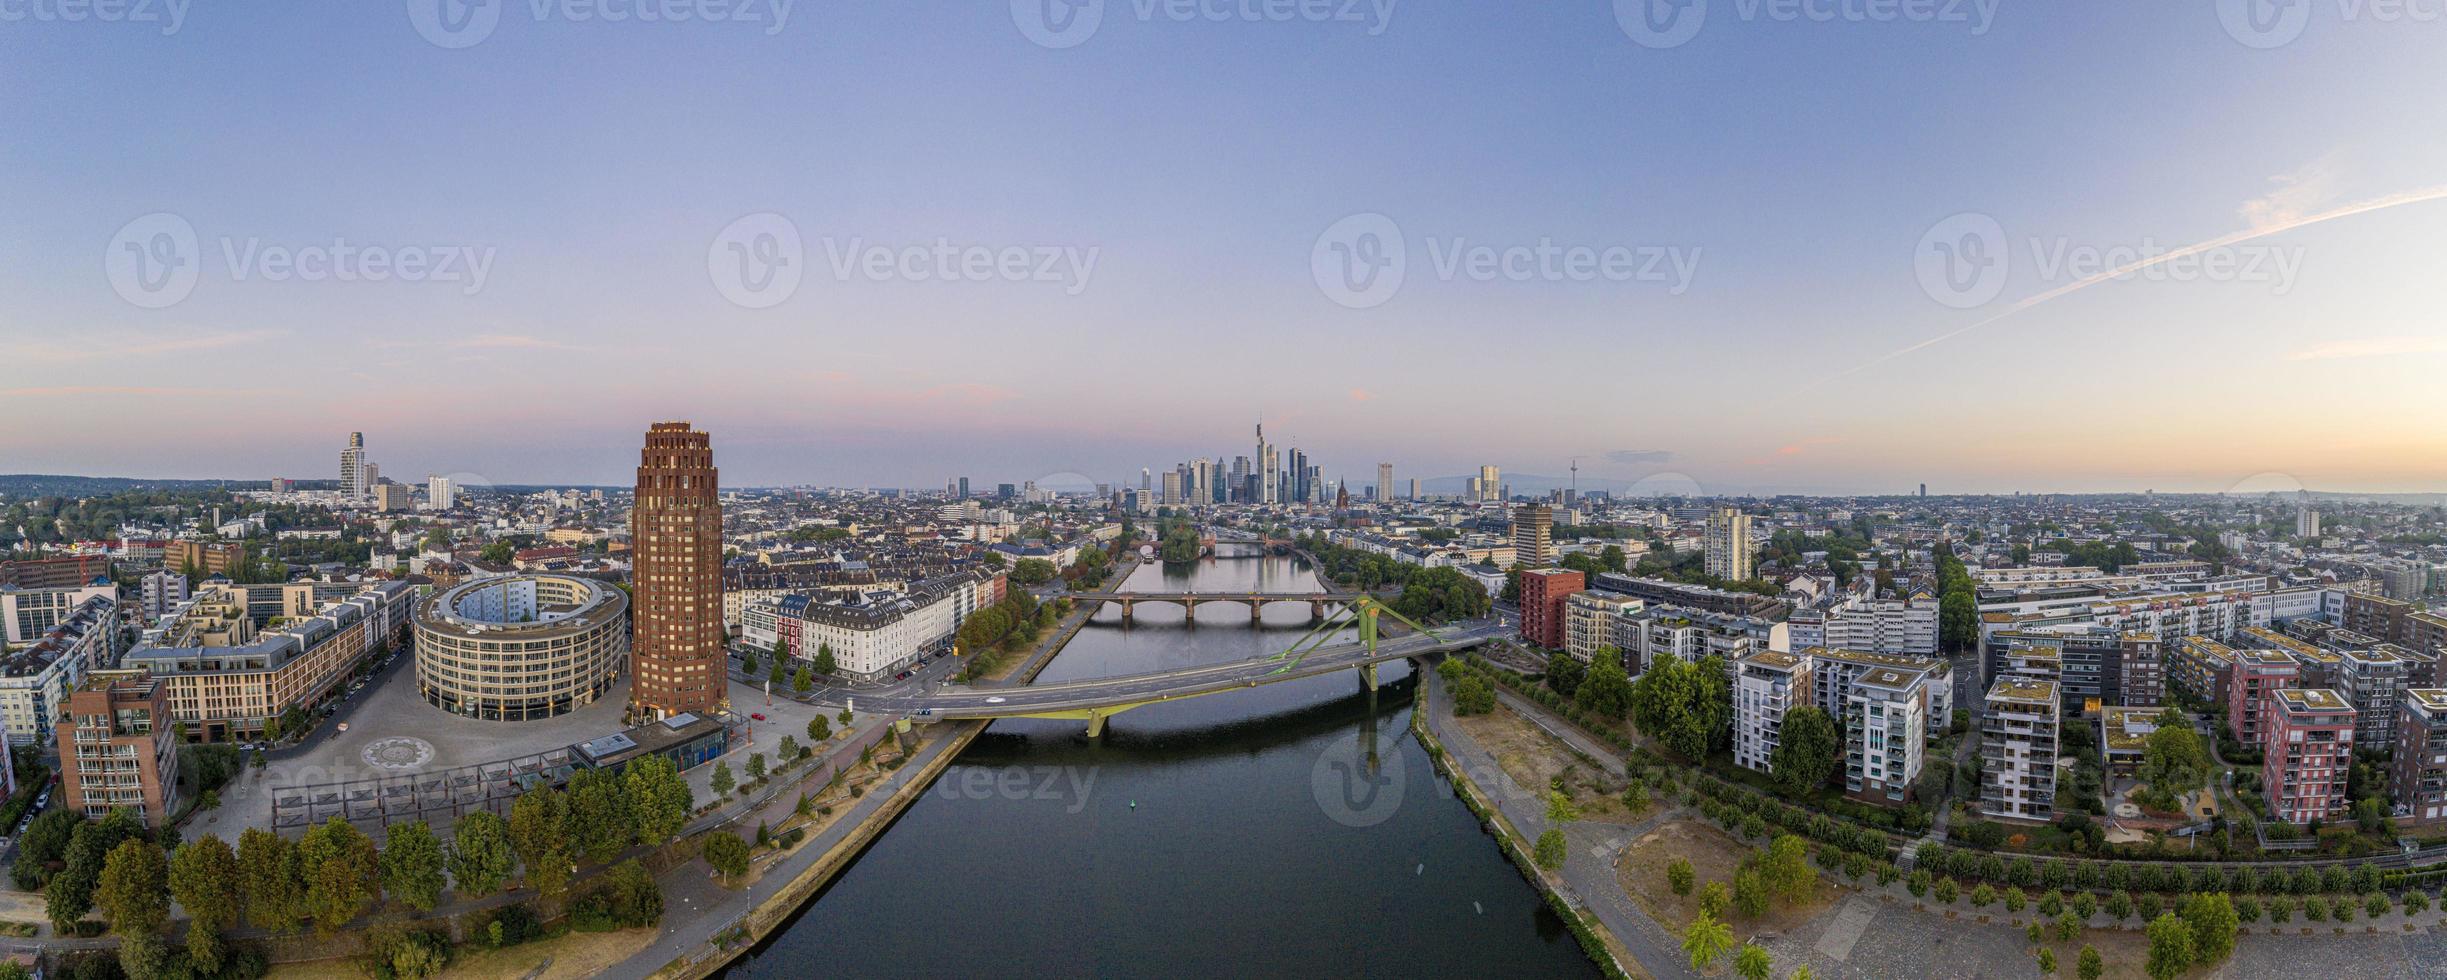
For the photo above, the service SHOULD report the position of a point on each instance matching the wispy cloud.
(2401, 199)
(1361, 394)
(509, 341)
(143, 346)
(2296, 195)
(124, 391)
(1797, 448)
(2338, 350)
(1637, 456)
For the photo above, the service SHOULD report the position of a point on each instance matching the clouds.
(1635, 457)
(2338, 350)
(2297, 195)
(90, 346)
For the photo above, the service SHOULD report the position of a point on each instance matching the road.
(1105, 692)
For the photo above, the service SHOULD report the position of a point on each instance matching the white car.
(994, 700)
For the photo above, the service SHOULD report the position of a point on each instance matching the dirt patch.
(574, 956)
(2125, 951)
(1714, 856)
(1533, 759)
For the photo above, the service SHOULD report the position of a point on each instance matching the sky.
(1732, 246)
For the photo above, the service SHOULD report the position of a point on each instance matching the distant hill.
(54, 485)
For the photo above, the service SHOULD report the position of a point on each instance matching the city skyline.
(1784, 318)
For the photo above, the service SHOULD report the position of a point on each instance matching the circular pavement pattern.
(398, 752)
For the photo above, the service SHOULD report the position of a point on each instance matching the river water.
(1294, 829)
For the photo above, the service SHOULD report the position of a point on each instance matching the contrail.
(2374, 204)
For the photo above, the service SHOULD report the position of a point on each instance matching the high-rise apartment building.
(1384, 482)
(1543, 591)
(441, 493)
(1533, 535)
(1490, 484)
(1414, 488)
(1728, 544)
(118, 747)
(2418, 774)
(1886, 723)
(2307, 755)
(2018, 740)
(353, 482)
(1766, 686)
(675, 530)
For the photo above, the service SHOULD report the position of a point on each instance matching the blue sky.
(1796, 168)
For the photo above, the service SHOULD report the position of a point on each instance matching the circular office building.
(519, 647)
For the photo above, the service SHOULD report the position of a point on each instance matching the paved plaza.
(399, 747)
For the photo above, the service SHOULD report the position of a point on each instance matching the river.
(1241, 833)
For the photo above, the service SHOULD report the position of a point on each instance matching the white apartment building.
(1728, 551)
(1886, 726)
(1834, 673)
(1905, 627)
(872, 635)
(2018, 747)
(35, 681)
(1600, 619)
(27, 615)
(1766, 685)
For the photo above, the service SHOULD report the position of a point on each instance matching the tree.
(1472, 695)
(1749, 893)
(539, 833)
(1682, 705)
(600, 822)
(780, 674)
(1679, 877)
(726, 853)
(2213, 921)
(1037, 571)
(69, 893)
(1563, 672)
(802, 680)
(342, 871)
(1752, 963)
(2090, 965)
(411, 864)
(1550, 850)
(2047, 960)
(2171, 950)
(790, 750)
(825, 663)
(1787, 870)
(1606, 692)
(1807, 748)
(748, 662)
(480, 855)
(2173, 761)
(1559, 808)
(1706, 940)
(268, 869)
(722, 780)
(756, 767)
(819, 729)
(1713, 897)
(204, 878)
(134, 892)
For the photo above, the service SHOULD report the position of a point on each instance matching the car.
(757, 717)
(994, 700)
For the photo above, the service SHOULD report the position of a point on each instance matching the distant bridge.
(1190, 601)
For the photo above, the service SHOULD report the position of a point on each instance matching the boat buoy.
(1134, 804)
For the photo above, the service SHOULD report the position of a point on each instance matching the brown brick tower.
(675, 528)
